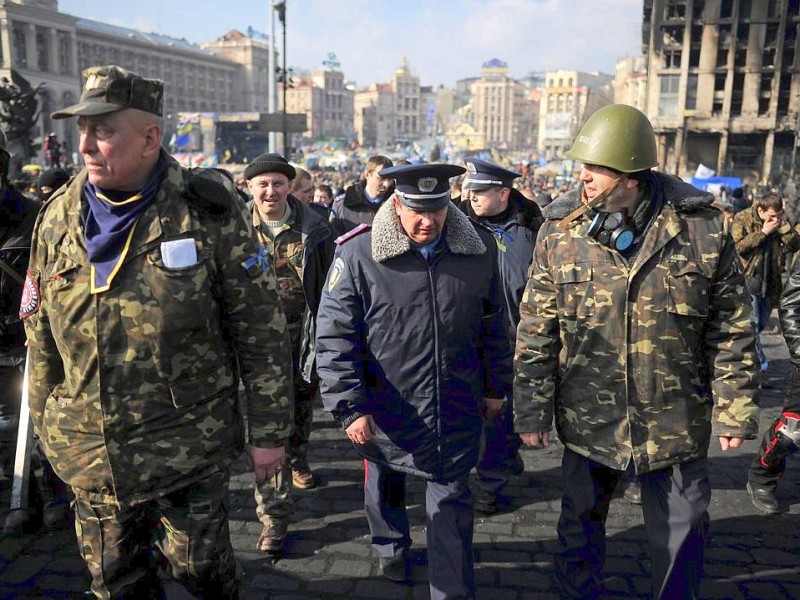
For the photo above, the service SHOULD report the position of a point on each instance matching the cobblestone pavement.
(749, 555)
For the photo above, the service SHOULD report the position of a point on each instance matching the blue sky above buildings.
(443, 40)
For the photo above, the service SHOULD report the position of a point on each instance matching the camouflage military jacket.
(134, 390)
(762, 255)
(638, 361)
(305, 251)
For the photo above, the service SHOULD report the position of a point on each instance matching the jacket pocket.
(574, 284)
(194, 390)
(688, 289)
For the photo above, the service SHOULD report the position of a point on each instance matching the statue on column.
(18, 117)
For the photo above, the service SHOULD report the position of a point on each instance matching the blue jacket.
(515, 235)
(415, 343)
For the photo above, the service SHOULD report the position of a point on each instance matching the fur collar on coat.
(389, 239)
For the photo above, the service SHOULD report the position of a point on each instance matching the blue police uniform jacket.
(415, 343)
(515, 235)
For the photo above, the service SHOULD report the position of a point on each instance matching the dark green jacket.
(134, 391)
(643, 360)
(758, 251)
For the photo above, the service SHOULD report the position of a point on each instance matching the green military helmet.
(617, 136)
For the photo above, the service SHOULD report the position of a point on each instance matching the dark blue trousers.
(449, 520)
(499, 445)
(675, 506)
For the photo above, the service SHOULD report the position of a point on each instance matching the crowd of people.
(445, 314)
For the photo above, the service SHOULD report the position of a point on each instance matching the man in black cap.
(514, 221)
(139, 312)
(299, 245)
(412, 351)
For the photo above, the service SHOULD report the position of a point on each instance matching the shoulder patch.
(352, 233)
(31, 299)
(336, 273)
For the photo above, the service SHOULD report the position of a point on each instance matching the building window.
(765, 94)
(691, 92)
(20, 47)
(64, 53)
(43, 49)
(736, 94)
(672, 58)
(783, 94)
(675, 9)
(668, 96)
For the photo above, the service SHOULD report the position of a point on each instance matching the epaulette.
(207, 190)
(352, 233)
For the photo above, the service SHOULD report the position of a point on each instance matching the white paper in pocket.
(177, 254)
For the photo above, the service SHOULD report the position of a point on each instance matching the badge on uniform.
(336, 273)
(31, 299)
(258, 263)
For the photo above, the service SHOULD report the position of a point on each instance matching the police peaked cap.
(424, 187)
(269, 163)
(484, 175)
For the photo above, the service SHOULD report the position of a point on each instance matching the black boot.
(764, 499)
(769, 465)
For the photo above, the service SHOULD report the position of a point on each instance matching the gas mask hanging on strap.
(612, 230)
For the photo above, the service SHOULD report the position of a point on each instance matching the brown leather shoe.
(272, 538)
(303, 480)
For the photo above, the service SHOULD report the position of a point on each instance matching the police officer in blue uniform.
(412, 352)
(514, 221)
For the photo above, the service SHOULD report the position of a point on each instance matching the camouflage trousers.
(185, 532)
(274, 496)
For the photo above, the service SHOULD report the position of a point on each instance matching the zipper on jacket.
(436, 361)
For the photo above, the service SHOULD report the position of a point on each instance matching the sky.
(442, 40)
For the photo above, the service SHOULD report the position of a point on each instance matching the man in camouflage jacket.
(299, 244)
(640, 350)
(763, 237)
(138, 342)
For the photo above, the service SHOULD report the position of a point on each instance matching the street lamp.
(280, 8)
(794, 145)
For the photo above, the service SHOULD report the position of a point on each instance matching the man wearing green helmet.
(635, 334)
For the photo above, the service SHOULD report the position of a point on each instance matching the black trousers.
(770, 462)
(675, 506)
(449, 520)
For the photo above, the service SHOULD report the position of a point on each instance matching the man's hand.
(362, 430)
(540, 439)
(771, 225)
(729, 442)
(264, 462)
(491, 406)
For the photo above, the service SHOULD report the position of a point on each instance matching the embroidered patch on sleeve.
(31, 299)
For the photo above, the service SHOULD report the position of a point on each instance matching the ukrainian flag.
(182, 138)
